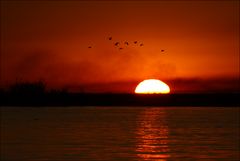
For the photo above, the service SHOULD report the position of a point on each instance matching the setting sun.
(152, 86)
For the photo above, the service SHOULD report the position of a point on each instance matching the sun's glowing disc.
(152, 86)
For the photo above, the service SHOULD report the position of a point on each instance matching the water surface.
(119, 133)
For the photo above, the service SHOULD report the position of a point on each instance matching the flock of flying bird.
(126, 43)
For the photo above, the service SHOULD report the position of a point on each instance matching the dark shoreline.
(83, 99)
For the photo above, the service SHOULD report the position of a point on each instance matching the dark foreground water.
(119, 133)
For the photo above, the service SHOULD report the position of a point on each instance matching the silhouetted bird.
(110, 38)
(120, 48)
(135, 42)
(89, 47)
(126, 43)
(162, 50)
(116, 44)
(141, 44)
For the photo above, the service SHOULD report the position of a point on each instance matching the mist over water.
(120, 133)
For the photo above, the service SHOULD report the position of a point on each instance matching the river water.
(120, 134)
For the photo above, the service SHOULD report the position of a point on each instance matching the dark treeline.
(25, 88)
(35, 94)
(31, 89)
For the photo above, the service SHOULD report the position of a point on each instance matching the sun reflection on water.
(152, 135)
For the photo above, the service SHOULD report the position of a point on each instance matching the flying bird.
(110, 38)
(141, 44)
(162, 50)
(116, 44)
(135, 42)
(89, 47)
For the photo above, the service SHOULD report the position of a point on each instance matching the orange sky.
(49, 41)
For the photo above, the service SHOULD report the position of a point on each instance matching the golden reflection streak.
(152, 135)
